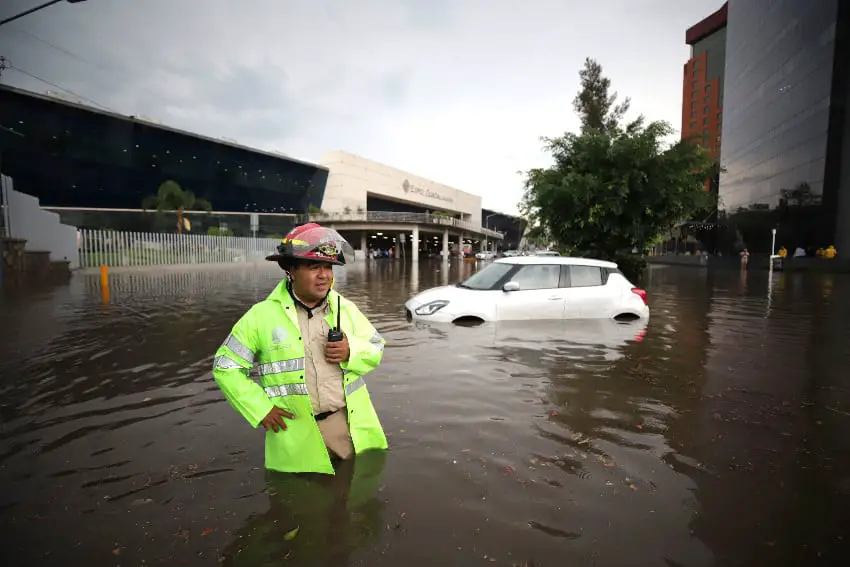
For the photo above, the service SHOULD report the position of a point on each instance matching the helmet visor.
(322, 244)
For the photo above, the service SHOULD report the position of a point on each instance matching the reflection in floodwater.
(314, 519)
(716, 433)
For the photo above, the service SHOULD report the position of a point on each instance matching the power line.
(109, 72)
(61, 88)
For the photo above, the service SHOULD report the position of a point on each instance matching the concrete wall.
(41, 229)
(351, 177)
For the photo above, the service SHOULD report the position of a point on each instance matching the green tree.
(614, 188)
(596, 108)
(171, 197)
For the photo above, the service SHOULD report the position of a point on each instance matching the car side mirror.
(511, 286)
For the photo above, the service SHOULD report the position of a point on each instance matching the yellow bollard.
(104, 284)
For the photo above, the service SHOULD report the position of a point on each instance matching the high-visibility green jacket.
(266, 345)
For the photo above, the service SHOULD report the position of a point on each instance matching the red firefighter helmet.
(314, 243)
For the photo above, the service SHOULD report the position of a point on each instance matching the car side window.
(537, 276)
(585, 276)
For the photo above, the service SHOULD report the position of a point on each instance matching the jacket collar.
(281, 295)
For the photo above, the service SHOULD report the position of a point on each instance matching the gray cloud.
(435, 86)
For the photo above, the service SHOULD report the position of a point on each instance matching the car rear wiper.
(463, 286)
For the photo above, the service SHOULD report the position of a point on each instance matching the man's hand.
(337, 352)
(274, 420)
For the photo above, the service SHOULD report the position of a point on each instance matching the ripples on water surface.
(717, 435)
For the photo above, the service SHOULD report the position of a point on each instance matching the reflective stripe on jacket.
(261, 364)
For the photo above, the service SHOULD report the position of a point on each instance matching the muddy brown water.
(718, 434)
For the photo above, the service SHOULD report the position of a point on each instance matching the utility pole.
(3, 65)
(36, 9)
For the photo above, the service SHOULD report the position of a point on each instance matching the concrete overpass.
(403, 223)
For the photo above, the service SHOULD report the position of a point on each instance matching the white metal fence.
(130, 249)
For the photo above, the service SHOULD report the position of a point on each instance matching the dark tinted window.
(538, 276)
(585, 276)
(776, 111)
(72, 156)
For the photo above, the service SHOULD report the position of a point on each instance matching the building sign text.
(411, 188)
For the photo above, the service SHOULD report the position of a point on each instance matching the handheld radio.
(335, 335)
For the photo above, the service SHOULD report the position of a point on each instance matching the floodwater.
(719, 434)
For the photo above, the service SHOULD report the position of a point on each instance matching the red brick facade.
(702, 96)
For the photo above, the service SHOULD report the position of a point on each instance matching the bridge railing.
(403, 218)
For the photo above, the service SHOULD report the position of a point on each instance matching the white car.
(485, 255)
(533, 288)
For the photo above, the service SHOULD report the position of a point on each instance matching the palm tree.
(170, 197)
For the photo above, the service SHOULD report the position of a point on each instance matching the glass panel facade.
(510, 226)
(714, 46)
(776, 120)
(72, 156)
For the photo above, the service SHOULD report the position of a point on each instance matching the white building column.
(397, 253)
(460, 243)
(364, 245)
(414, 244)
(446, 244)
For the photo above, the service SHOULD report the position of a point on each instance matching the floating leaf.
(290, 535)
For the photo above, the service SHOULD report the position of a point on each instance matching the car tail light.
(641, 293)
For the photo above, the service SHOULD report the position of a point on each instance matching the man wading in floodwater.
(311, 397)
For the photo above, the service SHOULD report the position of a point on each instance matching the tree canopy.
(597, 109)
(613, 188)
(171, 197)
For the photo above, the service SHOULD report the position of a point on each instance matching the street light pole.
(36, 9)
(487, 226)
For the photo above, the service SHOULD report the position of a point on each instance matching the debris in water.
(290, 535)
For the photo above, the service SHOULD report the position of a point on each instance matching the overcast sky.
(457, 91)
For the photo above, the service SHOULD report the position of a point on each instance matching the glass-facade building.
(786, 136)
(511, 227)
(70, 155)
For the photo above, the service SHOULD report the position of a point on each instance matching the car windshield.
(487, 277)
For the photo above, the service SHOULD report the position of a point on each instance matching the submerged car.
(534, 287)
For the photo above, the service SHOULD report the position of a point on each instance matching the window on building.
(707, 88)
(693, 125)
(705, 121)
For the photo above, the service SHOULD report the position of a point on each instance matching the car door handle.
(555, 298)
